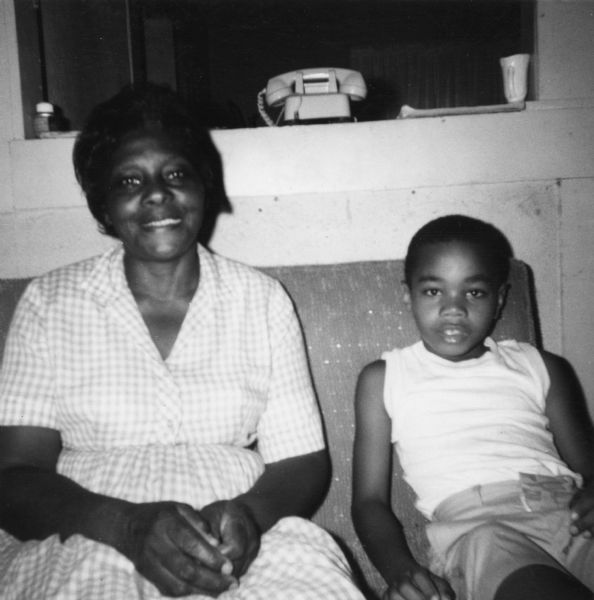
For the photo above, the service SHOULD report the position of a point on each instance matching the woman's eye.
(176, 175)
(128, 181)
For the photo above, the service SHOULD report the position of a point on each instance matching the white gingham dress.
(79, 359)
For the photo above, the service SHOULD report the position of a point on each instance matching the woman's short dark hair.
(142, 107)
(491, 243)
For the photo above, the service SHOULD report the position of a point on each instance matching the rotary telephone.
(312, 95)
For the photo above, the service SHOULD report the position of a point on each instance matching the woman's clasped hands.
(184, 551)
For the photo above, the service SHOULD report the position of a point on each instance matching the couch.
(350, 314)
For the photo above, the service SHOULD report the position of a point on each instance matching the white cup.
(515, 75)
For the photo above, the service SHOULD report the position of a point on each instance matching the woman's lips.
(168, 222)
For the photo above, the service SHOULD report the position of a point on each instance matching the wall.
(358, 191)
(566, 40)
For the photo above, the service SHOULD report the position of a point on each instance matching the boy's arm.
(573, 433)
(568, 416)
(378, 528)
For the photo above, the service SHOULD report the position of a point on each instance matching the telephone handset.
(313, 95)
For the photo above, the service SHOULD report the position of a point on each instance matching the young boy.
(493, 437)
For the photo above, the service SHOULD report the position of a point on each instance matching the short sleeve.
(291, 423)
(536, 366)
(27, 381)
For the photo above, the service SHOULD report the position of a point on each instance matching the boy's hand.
(418, 583)
(582, 507)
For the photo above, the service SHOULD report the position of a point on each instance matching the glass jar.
(44, 115)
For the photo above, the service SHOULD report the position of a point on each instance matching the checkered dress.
(79, 359)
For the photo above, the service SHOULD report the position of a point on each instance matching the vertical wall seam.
(561, 264)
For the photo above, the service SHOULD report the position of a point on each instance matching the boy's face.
(454, 299)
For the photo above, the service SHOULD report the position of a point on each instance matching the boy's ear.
(406, 295)
(501, 298)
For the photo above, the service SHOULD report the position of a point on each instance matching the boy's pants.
(483, 534)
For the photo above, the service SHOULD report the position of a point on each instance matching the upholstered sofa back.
(350, 314)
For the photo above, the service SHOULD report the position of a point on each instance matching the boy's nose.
(453, 306)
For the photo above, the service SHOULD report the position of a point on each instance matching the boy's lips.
(452, 330)
(453, 333)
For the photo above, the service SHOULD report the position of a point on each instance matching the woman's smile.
(162, 223)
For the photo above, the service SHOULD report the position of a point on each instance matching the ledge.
(530, 145)
(560, 104)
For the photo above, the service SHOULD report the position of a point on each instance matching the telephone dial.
(312, 95)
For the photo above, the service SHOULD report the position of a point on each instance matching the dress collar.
(107, 281)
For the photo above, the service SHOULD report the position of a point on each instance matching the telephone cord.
(262, 110)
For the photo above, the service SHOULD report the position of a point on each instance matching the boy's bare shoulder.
(565, 388)
(556, 365)
(370, 384)
(374, 369)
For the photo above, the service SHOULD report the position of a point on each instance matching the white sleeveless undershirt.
(460, 424)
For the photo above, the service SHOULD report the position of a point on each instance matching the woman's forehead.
(141, 143)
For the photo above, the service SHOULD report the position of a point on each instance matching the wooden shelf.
(408, 112)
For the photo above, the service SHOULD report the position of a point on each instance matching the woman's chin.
(161, 252)
(161, 246)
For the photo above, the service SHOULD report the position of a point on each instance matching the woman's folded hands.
(184, 551)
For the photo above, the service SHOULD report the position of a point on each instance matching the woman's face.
(155, 198)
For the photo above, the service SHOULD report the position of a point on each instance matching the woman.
(159, 429)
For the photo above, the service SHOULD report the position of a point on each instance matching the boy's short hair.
(459, 228)
(137, 108)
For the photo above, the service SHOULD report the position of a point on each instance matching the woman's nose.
(157, 192)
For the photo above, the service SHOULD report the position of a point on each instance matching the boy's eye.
(477, 293)
(431, 292)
